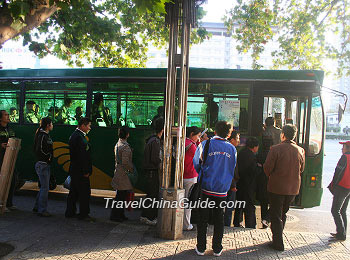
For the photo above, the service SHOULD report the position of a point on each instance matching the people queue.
(223, 175)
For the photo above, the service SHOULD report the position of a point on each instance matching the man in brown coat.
(283, 166)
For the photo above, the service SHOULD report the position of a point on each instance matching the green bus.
(132, 97)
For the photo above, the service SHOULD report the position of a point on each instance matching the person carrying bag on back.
(215, 178)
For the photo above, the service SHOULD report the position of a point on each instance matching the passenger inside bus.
(212, 111)
(99, 112)
(30, 116)
(78, 113)
(160, 113)
(63, 114)
(13, 115)
(37, 112)
(53, 113)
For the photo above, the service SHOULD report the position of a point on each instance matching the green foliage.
(108, 33)
(307, 31)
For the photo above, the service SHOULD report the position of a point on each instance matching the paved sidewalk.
(59, 238)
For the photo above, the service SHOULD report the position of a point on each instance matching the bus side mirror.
(341, 110)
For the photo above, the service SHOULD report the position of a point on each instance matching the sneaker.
(87, 218)
(198, 252)
(264, 223)
(151, 222)
(218, 254)
(12, 207)
(7, 210)
(44, 214)
(143, 220)
(193, 228)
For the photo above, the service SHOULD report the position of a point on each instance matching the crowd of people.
(272, 173)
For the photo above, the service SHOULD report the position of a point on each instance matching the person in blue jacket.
(217, 172)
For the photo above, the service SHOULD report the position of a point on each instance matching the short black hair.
(269, 121)
(2, 112)
(159, 125)
(289, 131)
(13, 109)
(252, 142)
(30, 102)
(68, 101)
(78, 109)
(192, 129)
(123, 132)
(84, 121)
(222, 128)
(234, 135)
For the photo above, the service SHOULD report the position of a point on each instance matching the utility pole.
(180, 18)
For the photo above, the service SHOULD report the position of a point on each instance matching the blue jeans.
(231, 196)
(43, 171)
(340, 203)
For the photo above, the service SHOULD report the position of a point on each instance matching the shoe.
(87, 218)
(143, 220)
(151, 222)
(198, 252)
(44, 214)
(218, 254)
(191, 229)
(35, 210)
(265, 223)
(278, 248)
(333, 234)
(117, 219)
(7, 210)
(147, 221)
(337, 238)
(71, 216)
(12, 207)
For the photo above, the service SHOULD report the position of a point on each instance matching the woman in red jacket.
(190, 175)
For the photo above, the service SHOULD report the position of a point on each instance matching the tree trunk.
(10, 28)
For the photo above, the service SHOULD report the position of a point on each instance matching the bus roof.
(195, 73)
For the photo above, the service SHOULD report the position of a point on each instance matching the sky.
(216, 9)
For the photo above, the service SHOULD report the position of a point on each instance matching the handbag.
(133, 176)
(67, 182)
(195, 192)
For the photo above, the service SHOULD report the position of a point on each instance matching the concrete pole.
(170, 220)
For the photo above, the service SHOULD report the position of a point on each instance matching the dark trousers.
(80, 191)
(248, 211)
(265, 215)
(217, 215)
(117, 213)
(152, 193)
(339, 206)
(279, 206)
(231, 197)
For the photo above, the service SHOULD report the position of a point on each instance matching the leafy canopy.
(106, 33)
(307, 31)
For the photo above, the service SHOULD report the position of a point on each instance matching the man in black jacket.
(80, 170)
(5, 133)
(247, 170)
(152, 164)
(340, 188)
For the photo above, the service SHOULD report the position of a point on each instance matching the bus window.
(196, 111)
(126, 103)
(316, 126)
(142, 110)
(63, 102)
(275, 107)
(209, 103)
(9, 99)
